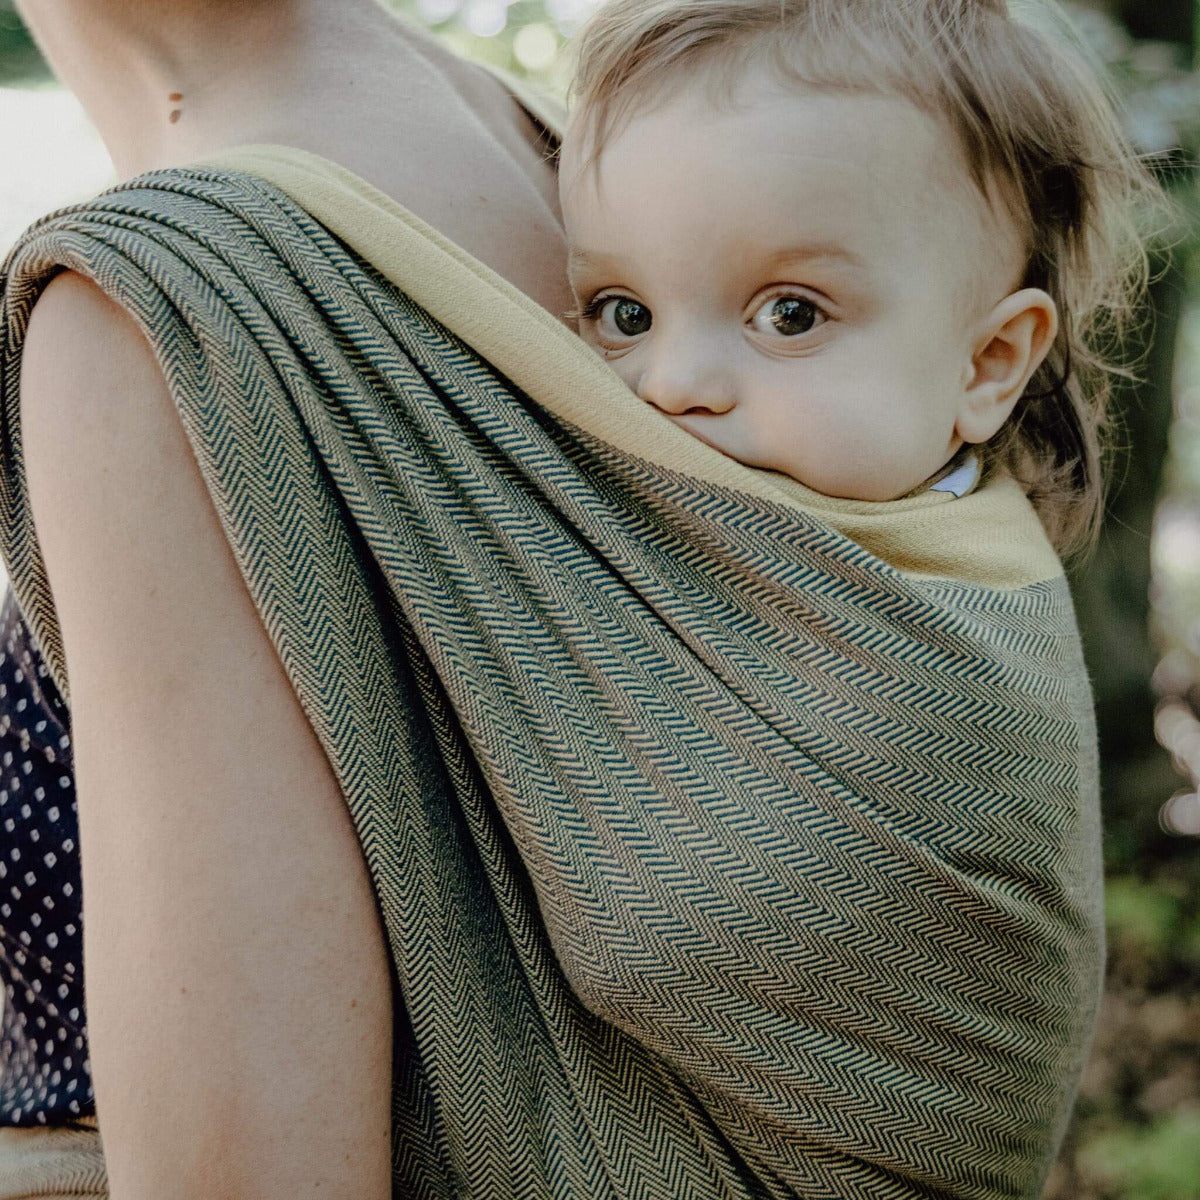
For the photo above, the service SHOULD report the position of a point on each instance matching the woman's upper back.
(461, 153)
(346, 79)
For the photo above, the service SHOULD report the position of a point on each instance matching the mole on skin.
(175, 98)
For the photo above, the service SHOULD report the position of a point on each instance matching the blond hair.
(1037, 131)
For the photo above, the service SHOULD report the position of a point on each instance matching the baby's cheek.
(908, 444)
(861, 449)
(850, 444)
(624, 365)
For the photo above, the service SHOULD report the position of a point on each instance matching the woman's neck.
(168, 83)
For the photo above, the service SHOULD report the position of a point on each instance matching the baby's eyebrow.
(832, 252)
(581, 261)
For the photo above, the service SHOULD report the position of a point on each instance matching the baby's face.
(796, 278)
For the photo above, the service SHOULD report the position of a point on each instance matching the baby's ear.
(1012, 343)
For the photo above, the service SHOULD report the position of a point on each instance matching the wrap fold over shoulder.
(727, 844)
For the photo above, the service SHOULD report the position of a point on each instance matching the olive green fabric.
(52, 1163)
(717, 857)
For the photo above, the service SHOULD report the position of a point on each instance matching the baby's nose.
(678, 384)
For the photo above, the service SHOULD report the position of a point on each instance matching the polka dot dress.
(44, 1070)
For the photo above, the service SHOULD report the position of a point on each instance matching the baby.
(851, 240)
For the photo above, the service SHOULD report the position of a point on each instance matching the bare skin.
(345, 80)
(239, 1002)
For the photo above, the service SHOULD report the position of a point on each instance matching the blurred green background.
(1136, 1133)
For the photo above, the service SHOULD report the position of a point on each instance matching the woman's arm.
(238, 994)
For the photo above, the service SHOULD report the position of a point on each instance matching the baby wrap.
(730, 842)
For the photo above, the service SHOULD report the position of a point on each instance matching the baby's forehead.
(866, 168)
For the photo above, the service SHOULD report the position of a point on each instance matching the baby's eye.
(787, 316)
(621, 316)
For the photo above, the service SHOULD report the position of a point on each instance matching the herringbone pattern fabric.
(716, 857)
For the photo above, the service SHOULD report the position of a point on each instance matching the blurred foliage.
(1156, 80)
(1160, 94)
(1160, 1162)
(1143, 919)
(20, 62)
(1136, 1132)
(528, 38)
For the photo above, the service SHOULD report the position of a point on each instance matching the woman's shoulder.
(114, 492)
(87, 377)
(79, 343)
(70, 314)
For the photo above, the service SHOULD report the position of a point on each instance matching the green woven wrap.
(717, 858)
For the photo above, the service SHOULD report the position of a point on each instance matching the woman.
(283, 1072)
(431, 693)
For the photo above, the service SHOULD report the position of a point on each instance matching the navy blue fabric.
(44, 1070)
